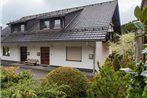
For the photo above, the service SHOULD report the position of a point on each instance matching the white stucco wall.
(58, 56)
(14, 53)
(102, 52)
(58, 53)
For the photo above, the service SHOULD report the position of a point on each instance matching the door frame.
(48, 55)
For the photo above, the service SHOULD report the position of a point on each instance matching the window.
(47, 24)
(57, 24)
(15, 29)
(6, 51)
(22, 27)
(74, 54)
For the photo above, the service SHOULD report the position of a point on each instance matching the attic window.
(46, 24)
(15, 29)
(22, 27)
(57, 24)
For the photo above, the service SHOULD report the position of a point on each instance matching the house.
(75, 37)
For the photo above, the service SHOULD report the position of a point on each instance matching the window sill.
(75, 60)
(6, 55)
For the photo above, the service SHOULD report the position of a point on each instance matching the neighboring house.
(75, 37)
(140, 41)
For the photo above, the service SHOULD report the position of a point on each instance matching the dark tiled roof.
(58, 13)
(96, 17)
(5, 33)
(47, 36)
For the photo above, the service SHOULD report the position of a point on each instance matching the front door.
(23, 54)
(45, 55)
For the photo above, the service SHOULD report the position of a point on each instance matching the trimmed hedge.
(72, 77)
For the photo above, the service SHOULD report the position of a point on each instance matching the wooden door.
(23, 54)
(45, 59)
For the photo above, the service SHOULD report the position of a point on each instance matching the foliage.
(125, 62)
(108, 62)
(137, 82)
(17, 85)
(8, 77)
(25, 75)
(23, 85)
(108, 84)
(116, 64)
(125, 46)
(72, 77)
(137, 88)
(53, 90)
(22, 89)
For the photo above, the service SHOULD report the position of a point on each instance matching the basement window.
(74, 54)
(6, 51)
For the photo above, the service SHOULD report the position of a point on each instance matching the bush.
(8, 77)
(52, 90)
(72, 77)
(108, 62)
(108, 84)
(22, 89)
(116, 63)
(23, 85)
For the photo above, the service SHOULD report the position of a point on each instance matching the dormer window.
(47, 24)
(15, 29)
(22, 27)
(57, 24)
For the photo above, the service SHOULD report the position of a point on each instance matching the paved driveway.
(39, 71)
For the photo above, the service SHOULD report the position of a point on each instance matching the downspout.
(94, 59)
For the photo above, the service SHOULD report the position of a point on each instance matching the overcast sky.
(14, 9)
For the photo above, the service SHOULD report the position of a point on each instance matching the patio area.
(39, 70)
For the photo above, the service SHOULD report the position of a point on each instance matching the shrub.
(137, 86)
(125, 46)
(72, 77)
(17, 85)
(108, 62)
(23, 85)
(52, 90)
(25, 75)
(8, 77)
(108, 84)
(116, 63)
(22, 89)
